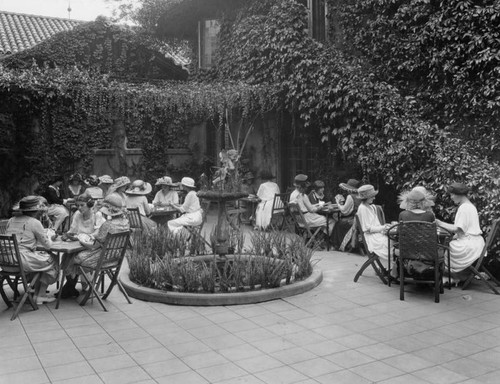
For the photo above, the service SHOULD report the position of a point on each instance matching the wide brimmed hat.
(75, 176)
(95, 192)
(417, 196)
(112, 205)
(165, 180)
(352, 185)
(139, 187)
(266, 175)
(188, 182)
(122, 181)
(366, 191)
(31, 204)
(458, 189)
(92, 180)
(106, 179)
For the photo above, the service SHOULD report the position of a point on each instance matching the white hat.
(188, 182)
(139, 187)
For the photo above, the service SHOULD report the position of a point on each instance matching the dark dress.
(342, 237)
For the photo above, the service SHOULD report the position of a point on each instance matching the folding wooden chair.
(373, 259)
(109, 263)
(418, 247)
(478, 268)
(134, 218)
(12, 271)
(3, 226)
(279, 212)
(302, 228)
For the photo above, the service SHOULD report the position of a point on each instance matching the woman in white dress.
(266, 193)
(467, 244)
(375, 232)
(136, 198)
(165, 196)
(191, 209)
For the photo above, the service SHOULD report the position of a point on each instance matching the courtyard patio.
(340, 332)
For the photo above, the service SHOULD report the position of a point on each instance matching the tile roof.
(21, 31)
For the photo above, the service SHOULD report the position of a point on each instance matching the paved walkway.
(340, 332)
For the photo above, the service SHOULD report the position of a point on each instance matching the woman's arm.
(347, 207)
(308, 205)
(145, 205)
(449, 227)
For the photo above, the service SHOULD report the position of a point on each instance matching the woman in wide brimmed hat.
(136, 198)
(30, 234)
(119, 187)
(267, 189)
(417, 205)
(165, 196)
(117, 222)
(467, 245)
(342, 237)
(191, 209)
(375, 232)
(105, 181)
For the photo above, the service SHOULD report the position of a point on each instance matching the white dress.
(263, 213)
(466, 247)
(193, 214)
(376, 242)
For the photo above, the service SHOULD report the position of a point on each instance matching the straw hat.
(112, 205)
(122, 181)
(188, 182)
(458, 189)
(366, 191)
(139, 187)
(31, 204)
(351, 185)
(419, 196)
(165, 180)
(105, 179)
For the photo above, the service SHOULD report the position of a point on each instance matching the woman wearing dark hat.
(266, 193)
(30, 233)
(375, 232)
(136, 198)
(192, 213)
(467, 244)
(342, 237)
(117, 222)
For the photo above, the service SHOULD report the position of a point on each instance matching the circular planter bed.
(207, 299)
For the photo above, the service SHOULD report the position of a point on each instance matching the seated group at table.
(466, 245)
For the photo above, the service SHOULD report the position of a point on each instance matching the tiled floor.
(340, 332)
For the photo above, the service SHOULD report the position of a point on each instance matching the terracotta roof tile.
(20, 31)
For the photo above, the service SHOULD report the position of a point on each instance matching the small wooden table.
(161, 215)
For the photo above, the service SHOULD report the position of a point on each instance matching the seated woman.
(93, 188)
(317, 195)
(30, 233)
(165, 196)
(105, 181)
(56, 208)
(467, 244)
(309, 211)
(118, 222)
(342, 237)
(118, 189)
(85, 220)
(191, 209)
(416, 206)
(375, 232)
(267, 189)
(136, 198)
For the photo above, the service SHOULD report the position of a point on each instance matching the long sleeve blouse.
(191, 203)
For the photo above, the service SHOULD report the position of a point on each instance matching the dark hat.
(458, 189)
(30, 204)
(266, 175)
(318, 184)
(351, 185)
(300, 179)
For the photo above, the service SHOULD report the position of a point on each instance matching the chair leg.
(475, 272)
(366, 264)
(93, 284)
(2, 292)
(115, 281)
(28, 294)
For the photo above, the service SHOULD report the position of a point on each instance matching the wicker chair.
(418, 247)
(478, 268)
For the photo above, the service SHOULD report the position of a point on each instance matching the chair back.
(298, 217)
(489, 243)
(9, 253)
(280, 201)
(360, 235)
(134, 218)
(113, 250)
(418, 240)
(3, 226)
